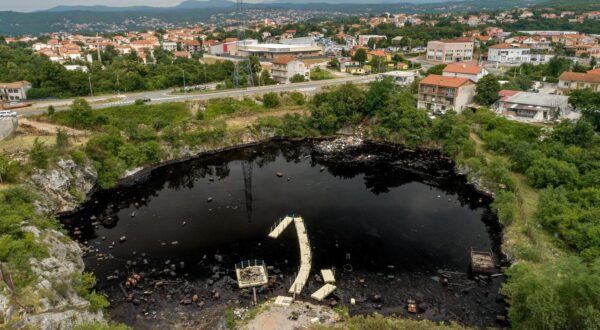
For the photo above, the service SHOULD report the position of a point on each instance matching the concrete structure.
(270, 51)
(534, 107)
(575, 80)
(7, 126)
(440, 94)
(509, 53)
(15, 91)
(464, 70)
(400, 78)
(450, 50)
(363, 39)
(285, 67)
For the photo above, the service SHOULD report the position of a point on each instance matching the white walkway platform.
(323, 292)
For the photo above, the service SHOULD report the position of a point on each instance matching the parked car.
(7, 113)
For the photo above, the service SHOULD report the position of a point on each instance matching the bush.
(561, 294)
(39, 154)
(297, 98)
(271, 100)
(546, 172)
(9, 170)
(51, 110)
(62, 139)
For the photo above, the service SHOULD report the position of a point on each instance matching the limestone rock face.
(63, 188)
(59, 306)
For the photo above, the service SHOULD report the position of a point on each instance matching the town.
(439, 163)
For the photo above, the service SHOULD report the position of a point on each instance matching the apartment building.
(440, 94)
(509, 53)
(450, 50)
(285, 67)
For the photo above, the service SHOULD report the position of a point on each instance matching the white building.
(509, 53)
(534, 107)
(270, 51)
(15, 91)
(400, 78)
(286, 67)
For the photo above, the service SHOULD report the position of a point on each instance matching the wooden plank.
(281, 227)
(323, 292)
(327, 275)
(305, 257)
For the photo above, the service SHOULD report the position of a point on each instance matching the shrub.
(545, 172)
(51, 110)
(39, 154)
(271, 100)
(62, 139)
(9, 170)
(297, 98)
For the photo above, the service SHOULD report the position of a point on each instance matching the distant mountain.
(185, 5)
(201, 4)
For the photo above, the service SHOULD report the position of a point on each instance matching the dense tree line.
(116, 74)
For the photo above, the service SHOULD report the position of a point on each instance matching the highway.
(162, 96)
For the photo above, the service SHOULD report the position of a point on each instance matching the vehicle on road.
(7, 113)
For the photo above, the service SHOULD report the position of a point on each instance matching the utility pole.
(118, 85)
(90, 81)
(184, 89)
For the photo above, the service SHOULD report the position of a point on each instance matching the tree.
(265, 78)
(51, 110)
(297, 78)
(487, 90)
(379, 95)
(271, 100)
(437, 69)
(360, 56)
(39, 154)
(80, 114)
(9, 170)
(593, 62)
(334, 63)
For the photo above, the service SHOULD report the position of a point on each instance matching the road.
(163, 96)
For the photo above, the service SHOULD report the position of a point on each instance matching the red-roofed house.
(440, 94)
(464, 70)
(577, 80)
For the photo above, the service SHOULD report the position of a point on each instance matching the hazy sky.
(31, 5)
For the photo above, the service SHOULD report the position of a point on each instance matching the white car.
(7, 113)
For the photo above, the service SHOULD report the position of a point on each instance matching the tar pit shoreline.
(166, 293)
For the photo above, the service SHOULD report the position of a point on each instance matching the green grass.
(320, 74)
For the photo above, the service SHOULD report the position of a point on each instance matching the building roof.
(456, 40)
(538, 99)
(508, 46)
(581, 77)
(16, 84)
(283, 59)
(594, 71)
(507, 92)
(462, 68)
(437, 80)
(378, 52)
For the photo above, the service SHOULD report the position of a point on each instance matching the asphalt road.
(164, 96)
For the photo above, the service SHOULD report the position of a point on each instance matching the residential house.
(15, 91)
(363, 39)
(464, 70)
(509, 53)
(400, 78)
(286, 67)
(440, 94)
(533, 107)
(450, 50)
(576, 80)
(387, 57)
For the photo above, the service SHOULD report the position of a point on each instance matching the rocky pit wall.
(63, 189)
